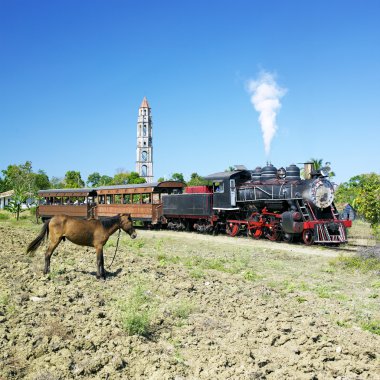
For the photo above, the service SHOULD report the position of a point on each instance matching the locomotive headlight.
(322, 192)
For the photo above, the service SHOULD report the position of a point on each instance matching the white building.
(144, 151)
(5, 198)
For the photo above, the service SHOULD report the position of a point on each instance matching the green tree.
(134, 178)
(20, 179)
(93, 179)
(57, 183)
(73, 180)
(41, 180)
(177, 177)
(196, 180)
(121, 178)
(363, 193)
(3, 185)
(105, 180)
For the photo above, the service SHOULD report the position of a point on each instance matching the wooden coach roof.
(115, 189)
(139, 188)
(81, 192)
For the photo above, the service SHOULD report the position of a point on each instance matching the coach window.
(126, 198)
(218, 187)
(137, 198)
(109, 199)
(118, 198)
(146, 198)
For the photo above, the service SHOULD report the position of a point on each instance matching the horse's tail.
(40, 238)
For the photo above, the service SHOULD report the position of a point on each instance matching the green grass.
(137, 312)
(356, 263)
(250, 275)
(372, 326)
(4, 216)
(182, 310)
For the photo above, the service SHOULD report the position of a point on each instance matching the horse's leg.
(100, 272)
(52, 246)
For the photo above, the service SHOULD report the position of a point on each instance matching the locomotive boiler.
(266, 202)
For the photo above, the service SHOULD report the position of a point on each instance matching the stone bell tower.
(144, 151)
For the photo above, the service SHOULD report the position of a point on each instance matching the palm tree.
(318, 164)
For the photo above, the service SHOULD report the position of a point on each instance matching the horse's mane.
(109, 222)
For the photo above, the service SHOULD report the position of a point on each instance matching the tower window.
(144, 170)
(144, 130)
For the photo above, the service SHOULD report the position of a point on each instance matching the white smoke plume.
(265, 97)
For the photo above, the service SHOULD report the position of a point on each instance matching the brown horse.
(91, 233)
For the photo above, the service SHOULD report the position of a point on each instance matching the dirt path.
(216, 307)
(246, 242)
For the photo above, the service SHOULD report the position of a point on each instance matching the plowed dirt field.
(185, 306)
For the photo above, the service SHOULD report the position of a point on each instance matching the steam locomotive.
(266, 202)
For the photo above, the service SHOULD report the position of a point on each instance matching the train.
(266, 202)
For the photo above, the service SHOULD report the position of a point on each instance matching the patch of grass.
(376, 285)
(137, 312)
(4, 299)
(300, 299)
(250, 275)
(196, 273)
(356, 263)
(4, 216)
(164, 259)
(343, 323)
(182, 310)
(372, 326)
(323, 291)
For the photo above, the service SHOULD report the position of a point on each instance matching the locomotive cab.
(224, 188)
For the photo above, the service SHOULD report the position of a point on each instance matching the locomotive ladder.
(334, 212)
(303, 209)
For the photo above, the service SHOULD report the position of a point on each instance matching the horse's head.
(126, 224)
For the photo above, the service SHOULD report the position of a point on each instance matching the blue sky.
(73, 74)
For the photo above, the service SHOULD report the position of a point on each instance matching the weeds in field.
(164, 259)
(6, 304)
(137, 311)
(4, 299)
(362, 264)
(323, 291)
(196, 273)
(343, 323)
(372, 326)
(182, 310)
(250, 275)
(4, 216)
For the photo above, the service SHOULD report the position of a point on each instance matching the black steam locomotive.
(265, 202)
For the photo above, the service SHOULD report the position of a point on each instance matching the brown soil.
(221, 308)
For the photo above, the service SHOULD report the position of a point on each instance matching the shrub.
(137, 312)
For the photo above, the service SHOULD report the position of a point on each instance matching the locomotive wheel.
(308, 237)
(273, 234)
(232, 230)
(255, 233)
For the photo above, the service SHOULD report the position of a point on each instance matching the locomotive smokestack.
(265, 98)
(308, 167)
